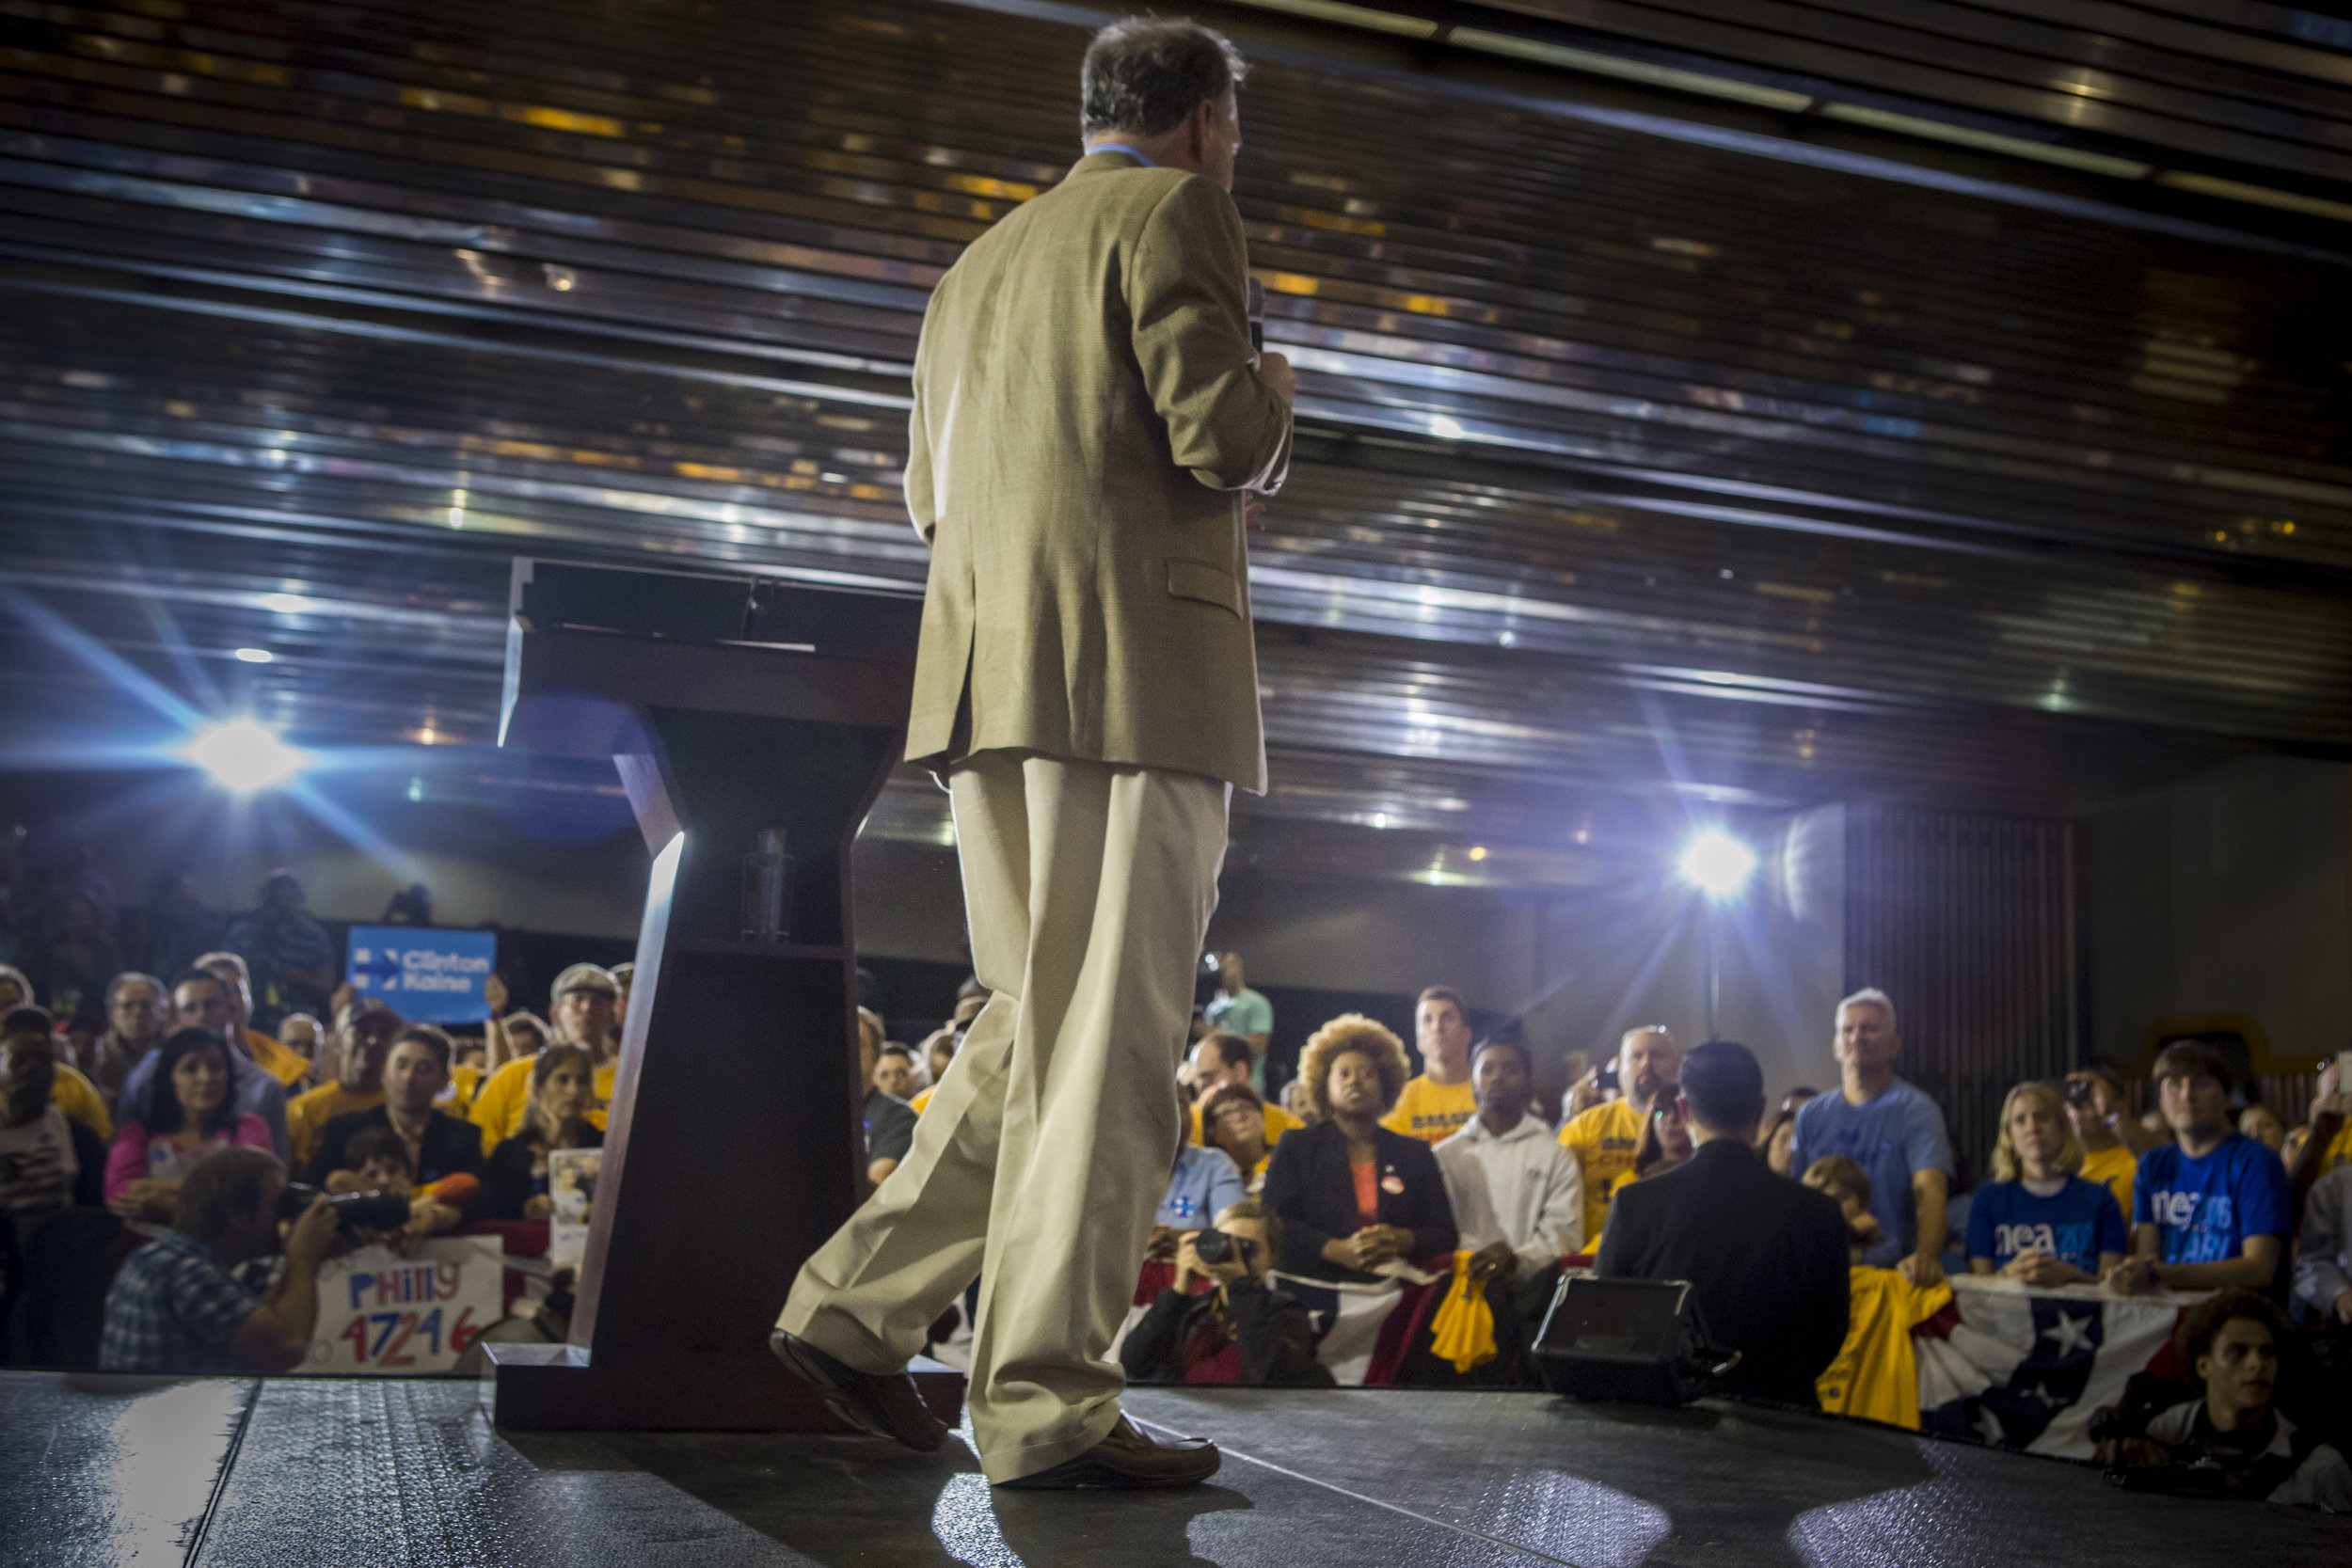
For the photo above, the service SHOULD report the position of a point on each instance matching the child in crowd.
(374, 1161)
(1850, 1184)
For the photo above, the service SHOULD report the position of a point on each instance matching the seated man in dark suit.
(1766, 1257)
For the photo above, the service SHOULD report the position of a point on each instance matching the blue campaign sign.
(424, 975)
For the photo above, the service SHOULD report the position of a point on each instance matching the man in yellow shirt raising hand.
(1441, 1101)
(1606, 1138)
(585, 1013)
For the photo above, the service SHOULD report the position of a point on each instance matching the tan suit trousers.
(1044, 1151)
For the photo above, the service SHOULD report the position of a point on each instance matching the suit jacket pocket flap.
(1195, 579)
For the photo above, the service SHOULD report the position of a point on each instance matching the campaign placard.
(382, 1315)
(572, 1183)
(426, 977)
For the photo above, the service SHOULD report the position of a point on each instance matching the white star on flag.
(2071, 1332)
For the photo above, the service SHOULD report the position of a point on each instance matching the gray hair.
(1143, 75)
(132, 976)
(1871, 996)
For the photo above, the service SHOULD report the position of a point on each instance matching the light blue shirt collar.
(1121, 147)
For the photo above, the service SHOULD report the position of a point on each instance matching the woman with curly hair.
(1351, 1195)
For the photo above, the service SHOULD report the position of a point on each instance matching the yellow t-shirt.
(1876, 1375)
(1604, 1141)
(2115, 1170)
(1431, 1112)
(287, 1066)
(2339, 1152)
(462, 1082)
(307, 1115)
(924, 1098)
(1278, 1121)
(78, 1098)
(497, 1110)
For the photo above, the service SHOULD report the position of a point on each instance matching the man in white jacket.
(1518, 1194)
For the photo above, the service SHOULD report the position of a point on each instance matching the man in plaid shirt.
(175, 1307)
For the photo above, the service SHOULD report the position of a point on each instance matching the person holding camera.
(2233, 1442)
(1237, 1329)
(177, 1305)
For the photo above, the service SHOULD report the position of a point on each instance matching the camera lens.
(1212, 1246)
(2078, 1091)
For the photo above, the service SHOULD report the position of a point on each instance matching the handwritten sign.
(427, 977)
(381, 1315)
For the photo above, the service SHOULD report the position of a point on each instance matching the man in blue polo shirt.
(1888, 1128)
(2212, 1209)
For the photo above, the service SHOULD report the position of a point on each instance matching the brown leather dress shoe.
(1127, 1457)
(884, 1405)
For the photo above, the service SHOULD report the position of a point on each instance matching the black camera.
(353, 1210)
(2078, 1091)
(1220, 1247)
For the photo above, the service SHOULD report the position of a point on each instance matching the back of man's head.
(224, 1188)
(1144, 74)
(1724, 1086)
(1231, 1050)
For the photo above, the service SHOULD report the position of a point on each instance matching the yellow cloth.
(1278, 1121)
(498, 1109)
(2339, 1152)
(1464, 1328)
(2115, 1170)
(1431, 1112)
(1604, 1141)
(307, 1115)
(78, 1098)
(463, 1083)
(924, 1098)
(287, 1066)
(1876, 1375)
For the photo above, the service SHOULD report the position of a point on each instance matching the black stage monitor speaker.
(1640, 1342)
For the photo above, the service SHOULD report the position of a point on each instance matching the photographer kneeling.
(175, 1306)
(1243, 1330)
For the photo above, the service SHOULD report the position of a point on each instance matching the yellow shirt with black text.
(1604, 1141)
(1430, 1112)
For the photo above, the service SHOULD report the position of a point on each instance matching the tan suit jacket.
(1086, 411)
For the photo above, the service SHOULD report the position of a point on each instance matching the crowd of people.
(167, 1176)
(1665, 1164)
(145, 1174)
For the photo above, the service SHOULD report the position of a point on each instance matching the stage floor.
(220, 1472)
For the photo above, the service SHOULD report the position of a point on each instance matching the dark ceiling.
(1641, 474)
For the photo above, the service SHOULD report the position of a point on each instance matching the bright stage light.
(256, 655)
(244, 756)
(1718, 864)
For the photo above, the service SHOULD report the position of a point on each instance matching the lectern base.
(558, 1389)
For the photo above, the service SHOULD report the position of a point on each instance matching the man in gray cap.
(584, 1007)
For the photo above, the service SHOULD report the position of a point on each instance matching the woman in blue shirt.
(2040, 1224)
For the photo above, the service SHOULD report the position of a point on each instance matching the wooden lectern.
(733, 1142)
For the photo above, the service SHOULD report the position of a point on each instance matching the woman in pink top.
(188, 1114)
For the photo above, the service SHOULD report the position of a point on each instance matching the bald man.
(1605, 1138)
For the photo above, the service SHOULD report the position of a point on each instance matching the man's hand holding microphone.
(1282, 382)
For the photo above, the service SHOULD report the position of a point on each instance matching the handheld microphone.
(1257, 315)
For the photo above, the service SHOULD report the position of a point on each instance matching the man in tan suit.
(1090, 427)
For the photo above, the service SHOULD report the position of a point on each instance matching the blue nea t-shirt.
(2074, 1224)
(1893, 1133)
(2203, 1209)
